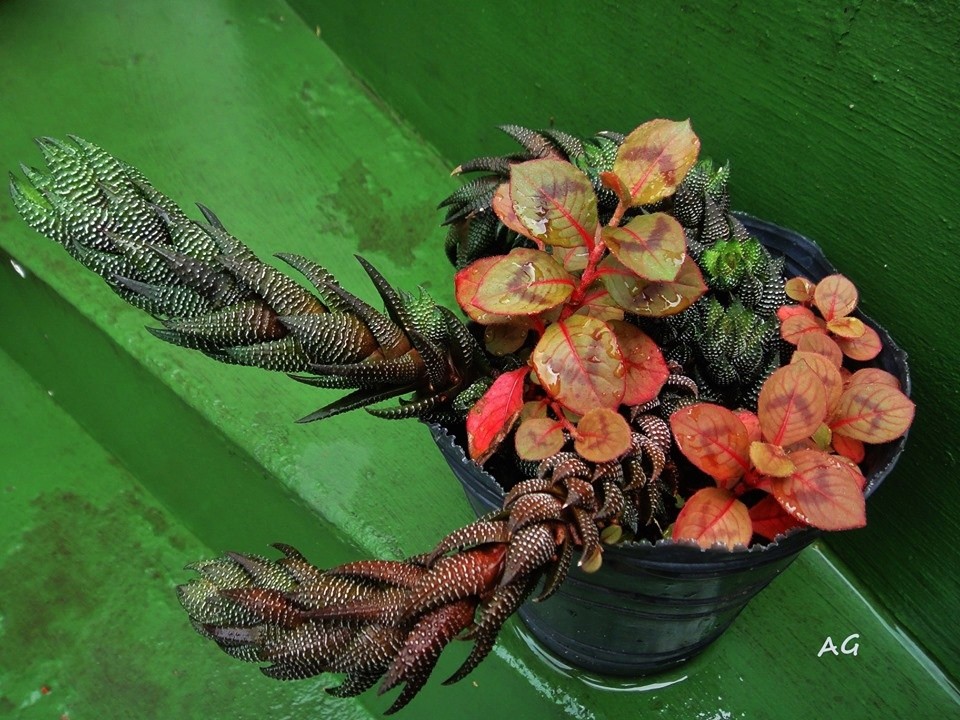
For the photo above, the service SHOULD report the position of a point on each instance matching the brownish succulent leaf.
(494, 414)
(538, 438)
(866, 347)
(602, 434)
(649, 298)
(770, 460)
(770, 519)
(579, 363)
(653, 246)
(872, 413)
(817, 342)
(525, 282)
(799, 289)
(821, 492)
(505, 338)
(653, 159)
(713, 439)
(828, 373)
(554, 202)
(712, 516)
(646, 368)
(792, 405)
(835, 296)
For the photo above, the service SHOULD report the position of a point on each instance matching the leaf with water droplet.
(770, 519)
(653, 246)
(553, 202)
(579, 364)
(713, 438)
(524, 282)
(653, 160)
(652, 298)
(821, 492)
(712, 516)
(646, 369)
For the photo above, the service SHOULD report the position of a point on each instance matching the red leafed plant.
(801, 449)
(560, 305)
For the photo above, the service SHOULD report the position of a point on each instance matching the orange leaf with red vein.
(821, 492)
(646, 368)
(553, 202)
(579, 364)
(751, 422)
(799, 289)
(493, 415)
(713, 439)
(650, 298)
(503, 208)
(828, 373)
(848, 328)
(866, 347)
(849, 448)
(653, 246)
(602, 435)
(770, 519)
(598, 304)
(539, 438)
(821, 344)
(770, 460)
(574, 259)
(835, 296)
(525, 282)
(872, 413)
(711, 516)
(873, 375)
(792, 405)
(653, 160)
(797, 321)
(534, 409)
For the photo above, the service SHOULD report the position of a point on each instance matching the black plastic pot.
(652, 607)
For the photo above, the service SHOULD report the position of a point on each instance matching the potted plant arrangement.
(673, 400)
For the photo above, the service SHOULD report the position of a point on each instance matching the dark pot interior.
(651, 607)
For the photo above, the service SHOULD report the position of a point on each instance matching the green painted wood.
(238, 105)
(840, 120)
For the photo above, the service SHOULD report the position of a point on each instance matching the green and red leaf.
(653, 160)
(505, 338)
(494, 414)
(525, 282)
(648, 298)
(770, 519)
(872, 413)
(835, 297)
(602, 435)
(652, 246)
(713, 439)
(598, 304)
(792, 405)
(712, 516)
(538, 438)
(646, 367)
(553, 202)
(821, 492)
(579, 363)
